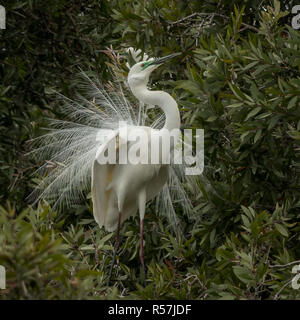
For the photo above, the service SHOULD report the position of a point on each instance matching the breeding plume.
(73, 149)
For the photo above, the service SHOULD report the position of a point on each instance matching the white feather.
(70, 148)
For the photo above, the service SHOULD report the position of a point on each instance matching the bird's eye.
(143, 65)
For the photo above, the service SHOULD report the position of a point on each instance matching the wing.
(104, 197)
(101, 178)
(110, 181)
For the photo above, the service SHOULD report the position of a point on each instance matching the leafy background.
(238, 79)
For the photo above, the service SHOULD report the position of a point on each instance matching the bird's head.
(140, 72)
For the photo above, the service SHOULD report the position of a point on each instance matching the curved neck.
(164, 101)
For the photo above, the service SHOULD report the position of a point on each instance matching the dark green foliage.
(45, 43)
(238, 79)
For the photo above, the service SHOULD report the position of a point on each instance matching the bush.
(238, 79)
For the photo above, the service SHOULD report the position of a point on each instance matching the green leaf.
(237, 92)
(244, 274)
(292, 102)
(257, 135)
(188, 85)
(235, 105)
(253, 113)
(280, 228)
(246, 221)
(273, 122)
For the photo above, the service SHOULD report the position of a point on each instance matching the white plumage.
(118, 190)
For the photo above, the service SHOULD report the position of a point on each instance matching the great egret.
(118, 190)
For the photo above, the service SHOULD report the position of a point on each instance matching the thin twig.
(281, 289)
(246, 26)
(285, 265)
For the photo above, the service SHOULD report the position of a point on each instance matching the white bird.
(72, 151)
(118, 190)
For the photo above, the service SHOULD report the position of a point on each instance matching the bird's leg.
(142, 250)
(117, 243)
